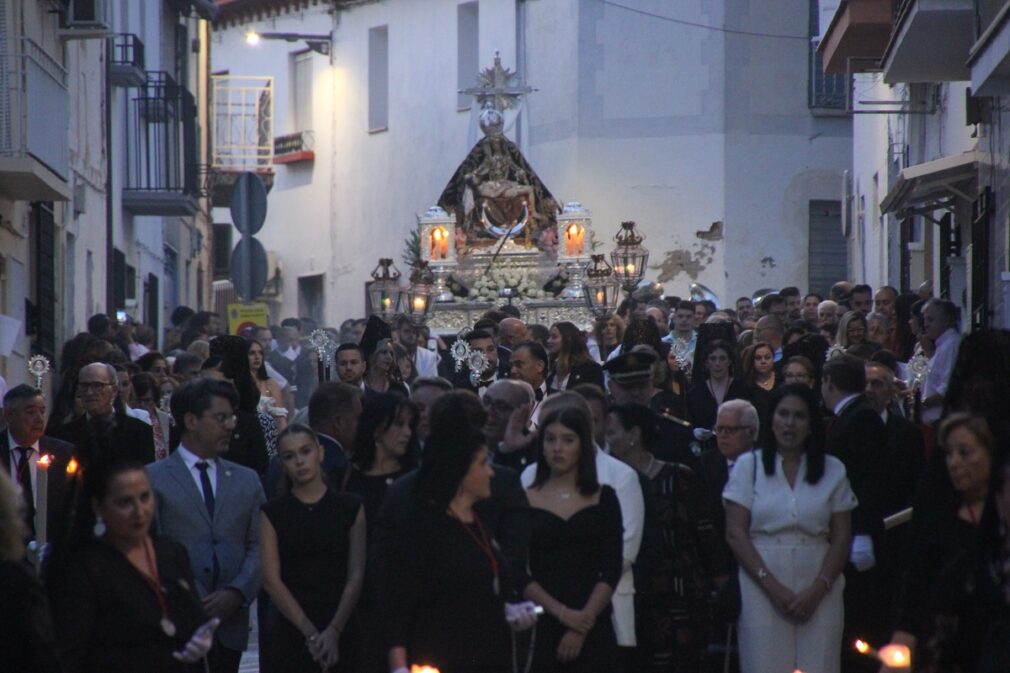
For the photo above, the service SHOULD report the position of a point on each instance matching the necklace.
(154, 581)
(484, 544)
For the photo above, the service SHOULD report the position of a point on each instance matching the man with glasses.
(503, 401)
(105, 431)
(736, 432)
(211, 506)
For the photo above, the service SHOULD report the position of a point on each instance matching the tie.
(538, 393)
(208, 500)
(208, 490)
(24, 468)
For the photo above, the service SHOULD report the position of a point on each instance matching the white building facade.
(704, 122)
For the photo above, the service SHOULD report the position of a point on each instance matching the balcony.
(242, 138)
(162, 163)
(295, 148)
(857, 36)
(930, 41)
(126, 68)
(34, 117)
(989, 60)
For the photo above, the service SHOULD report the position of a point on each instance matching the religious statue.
(495, 193)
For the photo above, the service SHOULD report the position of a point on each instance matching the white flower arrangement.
(486, 286)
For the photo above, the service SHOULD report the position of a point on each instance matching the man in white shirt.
(939, 322)
(624, 481)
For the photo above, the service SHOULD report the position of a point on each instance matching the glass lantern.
(629, 258)
(601, 287)
(417, 297)
(384, 290)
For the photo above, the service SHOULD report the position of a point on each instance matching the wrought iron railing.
(128, 50)
(162, 153)
(242, 137)
(825, 92)
(30, 81)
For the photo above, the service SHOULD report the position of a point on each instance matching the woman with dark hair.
(271, 399)
(759, 366)
(608, 332)
(147, 393)
(682, 555)
(126, 601)
(671, 383)
(385, 448)
(789, 524)
(715, 384)
(575, 549)
(312, 546)
(153, 363)
(444, 604)
(571, 363)
(641, 330)
(254, 440)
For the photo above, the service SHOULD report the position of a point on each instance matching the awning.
(934, 185)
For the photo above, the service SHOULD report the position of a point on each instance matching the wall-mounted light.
(321, 44)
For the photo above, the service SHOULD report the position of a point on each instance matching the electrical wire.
(732, 31)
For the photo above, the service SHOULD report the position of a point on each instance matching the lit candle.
(72, 467)
(630, 269)
(600, 297)
(386, 301)
(863, 647)
(42, 497)
(574, 238)
(439, 243)
(896, 656)
(423, 669)
(419, 303)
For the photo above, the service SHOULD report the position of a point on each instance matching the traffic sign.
(249, 203)
(249, 268)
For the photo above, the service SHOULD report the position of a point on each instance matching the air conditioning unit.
(88, 19)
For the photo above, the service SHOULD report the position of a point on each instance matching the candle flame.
(437, 234)
(631, 269)
(862, 646)
(423, 669)
(573, 229)
(45, 461)
(896, 656)
(419, 303)
(72, 466)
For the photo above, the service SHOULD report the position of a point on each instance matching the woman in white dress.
(788, 521)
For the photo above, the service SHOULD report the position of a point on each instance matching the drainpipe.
(110, 307)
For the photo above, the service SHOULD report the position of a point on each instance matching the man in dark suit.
(496, 369)
(21, 446)
(736, 431)
(211, 506)
(858, 438)
(105, 432)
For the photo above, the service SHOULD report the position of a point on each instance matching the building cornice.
(239, 12)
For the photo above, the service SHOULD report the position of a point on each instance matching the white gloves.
(861, 554)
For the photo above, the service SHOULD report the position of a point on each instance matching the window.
(222, 250)
(467, 50)
(378, 78)
(301, 90)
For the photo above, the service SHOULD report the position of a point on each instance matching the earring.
(99, 528)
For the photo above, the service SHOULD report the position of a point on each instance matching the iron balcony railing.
(34, 106)
(242, 137)
(162, 154)
(128, 50)
(825, 92)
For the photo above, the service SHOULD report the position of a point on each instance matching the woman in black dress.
(571, 363)
(385, 448)
(312, 546)
(682, 555)
(714, 385)
(126, 602)
(444, 597)
(575, 550)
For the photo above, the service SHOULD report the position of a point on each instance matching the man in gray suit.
(211, 506)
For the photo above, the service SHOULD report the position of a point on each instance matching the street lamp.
(418, 295)
(600, 287)
(384, 290)
(629, 257)
(321, 44)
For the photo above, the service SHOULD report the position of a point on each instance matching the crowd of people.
(683, 487)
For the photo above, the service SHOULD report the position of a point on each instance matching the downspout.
(109, 165)
(522, 139)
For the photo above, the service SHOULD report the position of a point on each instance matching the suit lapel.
(179, 471)
(224, 485)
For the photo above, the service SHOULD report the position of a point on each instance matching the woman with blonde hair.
(27, 641)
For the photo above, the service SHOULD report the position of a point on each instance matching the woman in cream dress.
(788, 521)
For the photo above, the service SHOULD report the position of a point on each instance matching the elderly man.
(939, 322)
(736, 431)
(511, 332)
(883, 301)
(827, 311)
(103, 431)
(508, 401)
(21, 446)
